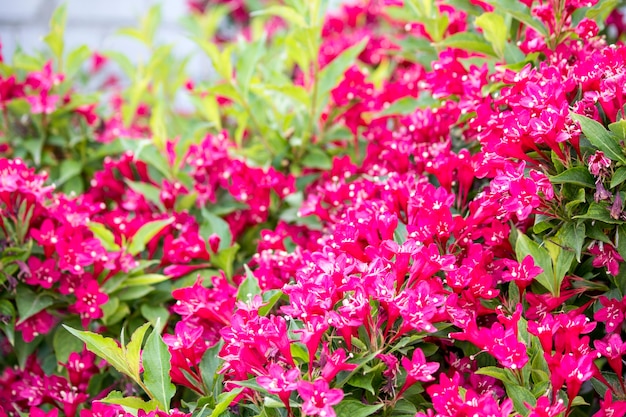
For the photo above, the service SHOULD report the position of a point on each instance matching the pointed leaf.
(133, 349)
(30, 303)
(224, 400)
(156, 362)
(104, 347)
(146, 233)
(601, 138)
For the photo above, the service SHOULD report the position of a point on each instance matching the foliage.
(398, 208)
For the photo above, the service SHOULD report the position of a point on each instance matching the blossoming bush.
(395, 208)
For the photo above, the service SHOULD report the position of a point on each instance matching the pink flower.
(605, 255)
(89, 298)
(319, 398)
(418, 369)
(611, 313)
(39, 324)
(280, 382)
(598, 163)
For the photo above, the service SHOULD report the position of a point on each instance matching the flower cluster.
(422, 216)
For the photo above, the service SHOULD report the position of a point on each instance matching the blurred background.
(94, 23)
(90, 22)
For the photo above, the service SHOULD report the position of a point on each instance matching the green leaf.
(132, 351)
(503, 375)
(525, 246)
(619, 129)
(134, 403)
(495, 30)
(146, 233)
(601, 138)
(224, 400)
(316, 158)
(404, 106)
(248, 63)
(29, 303)
(68, 170)
(104, 235)
(8, 324)
(104, 347)
(215, 224)
(55, 37)
(156, 362)
(469, 42)
(353, 408)
(75, 59)
(618, 177)
(64, 343)
(155, 314)
(271, 298)
(147, 279)
(620, 240)
(520, 396)
(520, 12)
(332, 73)
(578, 175)
(249, 287)
(364, 381)
(599, 212)
(149, 191)
(572, 234)
(287, 13)
(224, 259)
(209, 365)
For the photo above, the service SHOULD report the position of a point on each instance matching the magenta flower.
(418, 369)
(319, 398)
(280, 382)
(89, 298)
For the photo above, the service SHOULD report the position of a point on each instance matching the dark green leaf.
(578, 175)
(249, 287)
(520, 396)
(599, 212)
(572, 234)
(209, 365)
(29, 303)
(360, 380)
(7, 311)
(618, 177)
(64, 343)
(601, 138)
(215, 224)
(353, 408)
(316, 158)
(525, 246)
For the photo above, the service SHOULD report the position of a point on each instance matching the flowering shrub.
(395, 208)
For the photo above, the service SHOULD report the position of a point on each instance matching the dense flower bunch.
(398, 208)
